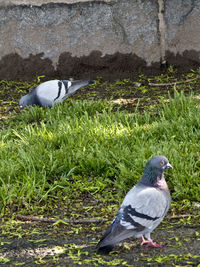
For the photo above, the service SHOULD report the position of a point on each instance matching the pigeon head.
(154, 170)
(26, 100)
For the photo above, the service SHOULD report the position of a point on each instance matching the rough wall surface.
(183, 30)
(72, 37)
(81, 28)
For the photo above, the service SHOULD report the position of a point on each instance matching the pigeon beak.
(168, 166)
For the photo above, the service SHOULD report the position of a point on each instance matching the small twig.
(174, 83)
(49, 220)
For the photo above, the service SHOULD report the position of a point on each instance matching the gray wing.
(146, 206)
(50, 92)
(55, 91)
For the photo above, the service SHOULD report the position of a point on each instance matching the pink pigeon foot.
(148, 243)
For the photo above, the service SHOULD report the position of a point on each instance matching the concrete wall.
(77, 38)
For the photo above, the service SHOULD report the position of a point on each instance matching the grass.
(49, 155)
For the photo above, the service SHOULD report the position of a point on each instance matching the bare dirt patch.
(44, 244)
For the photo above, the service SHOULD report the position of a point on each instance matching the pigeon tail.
(105, 245)
(114, 234)
(91, 82)
(105, 249)
(75, 85)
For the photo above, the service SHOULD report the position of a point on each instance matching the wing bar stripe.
(59, 89)
(66, 86)
(129, 210)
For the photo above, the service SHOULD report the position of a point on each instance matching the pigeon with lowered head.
(52, 92)
(143, 208)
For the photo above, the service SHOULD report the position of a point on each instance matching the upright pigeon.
(52, 92)
(143, 208)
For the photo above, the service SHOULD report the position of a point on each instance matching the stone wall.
(182, 18)
(77, 38)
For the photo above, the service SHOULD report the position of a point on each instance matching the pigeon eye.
(161, 162)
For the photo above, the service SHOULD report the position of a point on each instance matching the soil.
(110, 67)
(44, 244)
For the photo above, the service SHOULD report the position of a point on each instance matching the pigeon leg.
(150, 243)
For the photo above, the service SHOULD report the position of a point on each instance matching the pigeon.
(52, 92)
(142, 209)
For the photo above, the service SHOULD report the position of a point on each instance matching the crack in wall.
(162, 29)
(120, 29)
(188, 13)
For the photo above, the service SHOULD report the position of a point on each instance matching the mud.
(44, 244)
(110, 67)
